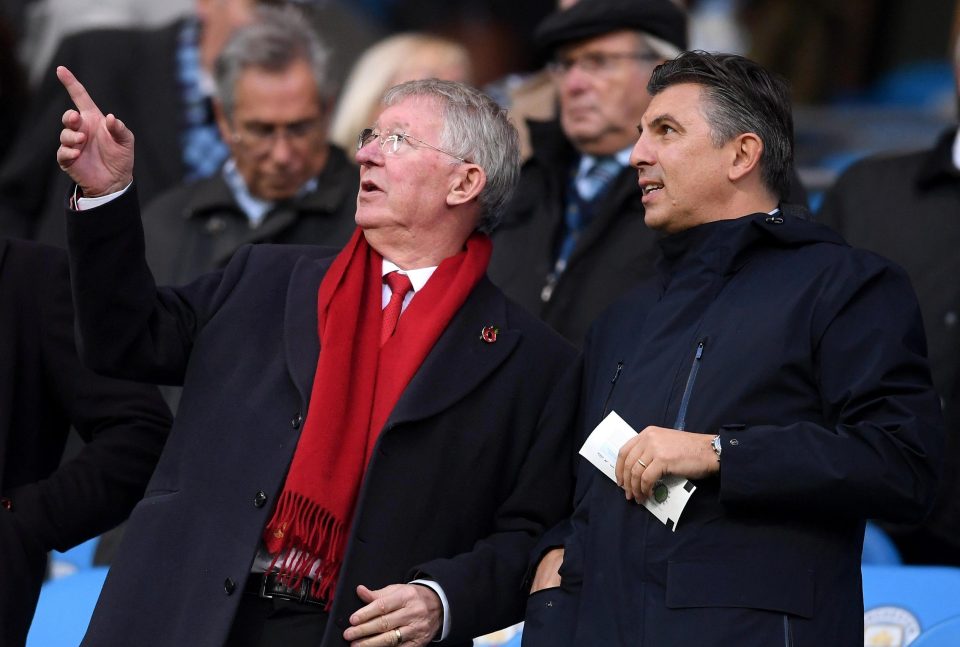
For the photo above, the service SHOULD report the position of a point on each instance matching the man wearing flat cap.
(573, 238)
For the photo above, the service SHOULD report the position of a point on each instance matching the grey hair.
(475, 128)
(279, 37)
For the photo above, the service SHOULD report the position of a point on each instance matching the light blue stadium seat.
(901, 603)
(945, 634)
(65, 607)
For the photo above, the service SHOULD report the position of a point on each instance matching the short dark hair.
(743, 97)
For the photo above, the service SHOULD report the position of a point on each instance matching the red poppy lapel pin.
(489, 334)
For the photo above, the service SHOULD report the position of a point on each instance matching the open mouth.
(647, 189)
(366, 186)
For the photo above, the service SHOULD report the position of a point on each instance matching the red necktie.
(399, 286)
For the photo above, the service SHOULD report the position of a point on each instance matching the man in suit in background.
(338, 471)
(573, 239)
(283, 182)
(44, 389)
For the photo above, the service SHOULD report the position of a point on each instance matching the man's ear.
(468, 182)
(747, 149)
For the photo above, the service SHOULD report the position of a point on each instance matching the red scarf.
(355, 388)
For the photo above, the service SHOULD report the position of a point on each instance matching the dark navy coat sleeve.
(880, 455)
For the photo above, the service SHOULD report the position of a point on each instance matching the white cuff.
(443, 600)
(89, 203)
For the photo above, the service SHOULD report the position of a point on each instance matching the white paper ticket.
(601, 449)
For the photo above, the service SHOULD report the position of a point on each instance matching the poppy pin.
(489, 334)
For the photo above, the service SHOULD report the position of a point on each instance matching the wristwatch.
(717, 447)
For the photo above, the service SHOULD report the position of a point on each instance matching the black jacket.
(807, 358)
(907, 208)
(44, 390)
(464, 477)
(195, 228)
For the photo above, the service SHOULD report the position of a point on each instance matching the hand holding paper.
(658, 460)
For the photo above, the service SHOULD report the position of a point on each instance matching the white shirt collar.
(418, 277)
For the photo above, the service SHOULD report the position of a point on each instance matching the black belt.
(269, 586)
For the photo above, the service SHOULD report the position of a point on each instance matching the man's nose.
(369, 153)
(281, 150)
(641, 153)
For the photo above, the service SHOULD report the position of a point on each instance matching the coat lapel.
(460, 360)
(300, 332)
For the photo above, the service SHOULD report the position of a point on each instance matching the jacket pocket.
(785, 588)
(550, 619)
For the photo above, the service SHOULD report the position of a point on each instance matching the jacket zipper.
(613, 384)
(681, 422)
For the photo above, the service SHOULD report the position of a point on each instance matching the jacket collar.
(722, 247)
(214, 196)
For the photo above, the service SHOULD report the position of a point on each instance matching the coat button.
(734, 441)
(297, 420)
(259, 499)
(229, 586)
(6, 503)
(950, 319)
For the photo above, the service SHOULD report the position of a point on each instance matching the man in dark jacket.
(44, 389)
(338, 472)
(905, 207)
(573, 239)
(770, 366)
(283, 182)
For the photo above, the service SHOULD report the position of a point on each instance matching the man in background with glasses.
(283, 182)
(367, 447)
(573, 238)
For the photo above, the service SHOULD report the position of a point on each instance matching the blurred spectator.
(158, 83)
(573, 239)
(43, 390)
(399, 58)
(282, 183)
(13, 86)
(905, 207)
(49, 21)
(497, 33)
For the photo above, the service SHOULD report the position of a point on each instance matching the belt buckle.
(263, 587)
(301, 595)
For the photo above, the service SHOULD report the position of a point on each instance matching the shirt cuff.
(445, 631)
(89, 203)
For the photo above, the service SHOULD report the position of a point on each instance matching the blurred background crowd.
(251, 139)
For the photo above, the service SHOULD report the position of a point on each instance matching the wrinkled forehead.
(420, 113)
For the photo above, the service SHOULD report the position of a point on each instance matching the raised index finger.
(78, 94)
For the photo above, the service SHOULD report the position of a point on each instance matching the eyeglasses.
(598, 62)
(391, 143)
(261, 137)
